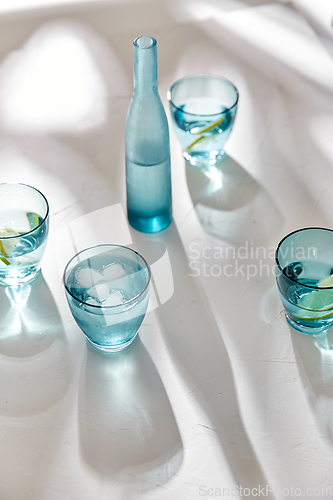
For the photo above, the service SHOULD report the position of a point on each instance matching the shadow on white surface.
(127, 428)
(275, 39)
(320, 18)
(229, 203)
(19, 7)
(199, 354)
(314, 356)
(35, 373)
(271, 305)
(35, 379)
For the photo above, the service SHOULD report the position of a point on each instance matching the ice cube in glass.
(111, 307)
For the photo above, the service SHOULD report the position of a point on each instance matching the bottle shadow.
(201, 358)
(35, 373)
(314, 357)
(126, 424)
(229, 202)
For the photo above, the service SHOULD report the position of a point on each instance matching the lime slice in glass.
(317, 305)
(327, 282)
(203, 131)
(34, 219)
(7, 243)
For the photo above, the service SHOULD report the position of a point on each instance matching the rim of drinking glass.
(152, 44)
(188, 77)
(114, 246)
(44, 218)
(287, 236)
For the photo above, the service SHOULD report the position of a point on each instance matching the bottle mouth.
(144, 42)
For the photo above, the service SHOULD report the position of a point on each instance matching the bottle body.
(148, 171)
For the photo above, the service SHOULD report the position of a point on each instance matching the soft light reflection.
(204, 11)
(273, 30)
(318, 13)
(321, 130)
(10, 6)
(52, 85)
(215, 175)
(42, 168)
(12, 320)
(325, 345)
(18, 295)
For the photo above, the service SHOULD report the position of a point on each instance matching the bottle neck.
(145, 64)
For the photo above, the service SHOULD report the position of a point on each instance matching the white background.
(218, 394)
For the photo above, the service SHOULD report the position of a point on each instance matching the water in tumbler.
(21, 247)
(309, 302)
(105, 298)
(200, 135)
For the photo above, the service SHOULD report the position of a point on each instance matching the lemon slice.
(205, 129)
(325, 283)
(7, 244)
(321, 300)
(201, 140)
(34, 219)
(314, 302)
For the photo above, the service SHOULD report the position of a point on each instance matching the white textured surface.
(218, 394)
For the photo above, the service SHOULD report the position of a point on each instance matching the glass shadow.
(35, 379)
(33, 349)
(229, 203)
(127, 427)
(314, 358)
(200, 356)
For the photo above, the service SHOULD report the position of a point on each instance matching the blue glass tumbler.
(107, 290)
(148, 171)
(24, 222)
(203, 110)
(304, 275)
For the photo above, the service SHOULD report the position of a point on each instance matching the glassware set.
(107, 286)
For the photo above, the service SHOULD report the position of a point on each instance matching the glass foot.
(115, 348)
(150, 224)
(204, 161)
(17, 278)
(308, 330)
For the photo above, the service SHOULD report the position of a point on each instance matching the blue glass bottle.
(148, 172)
